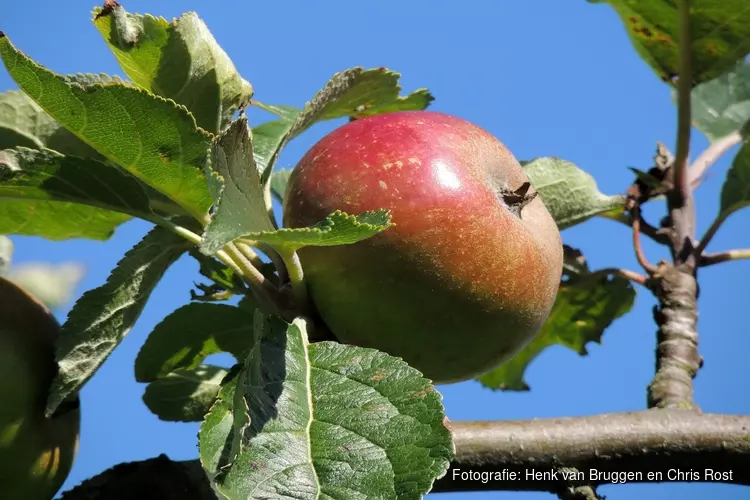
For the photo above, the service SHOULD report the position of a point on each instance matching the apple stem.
(516, 200)
(268, 199)
(296, 278)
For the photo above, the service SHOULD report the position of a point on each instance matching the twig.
(718, 257)
(635, 277)
(710, 233)
(712, 154)
(639, 255)
(651, 231)
(525, 455)
(684, 112)
(259, 284)
(646, 229)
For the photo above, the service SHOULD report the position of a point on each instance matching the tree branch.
(674, 284)
(647, 441)
(536, 451)
(647, 229)
(710, 233)
(677, 357)
(684, 112)
(712, 154)
(710, 259)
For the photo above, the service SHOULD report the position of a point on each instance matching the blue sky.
(547, 77)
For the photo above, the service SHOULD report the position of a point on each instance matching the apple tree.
(332, 391)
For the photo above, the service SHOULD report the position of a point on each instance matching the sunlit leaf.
(184, 395)
(180, 60)
(569, 193)
(324, 420)
(720, 33)
(103, 316)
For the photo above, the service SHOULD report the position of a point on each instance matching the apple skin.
(461, 283)
(36, 453)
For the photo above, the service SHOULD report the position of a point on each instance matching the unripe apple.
(469, 272)
(36, 453)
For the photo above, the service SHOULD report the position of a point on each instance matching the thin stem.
(718, 257)
(296, 278)
(712, 154)
(272, 254)
(639, 255)
(261, 285)
(710, 233)
(651, 231)
(684, 112)
(268, 199)
(257, 262)
(177, 229)
(250, 254)
(646, 229)
(196, 240)
(635, 277)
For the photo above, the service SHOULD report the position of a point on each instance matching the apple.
(469, 272)
(36, 453)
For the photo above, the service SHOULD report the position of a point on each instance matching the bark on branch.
(677, 357)
(653, 441)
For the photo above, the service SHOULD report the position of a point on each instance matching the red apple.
(470, 270)
(36, 453)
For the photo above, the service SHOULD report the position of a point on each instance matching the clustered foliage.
(82, 154)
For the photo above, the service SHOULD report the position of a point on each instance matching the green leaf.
(102, 317)
(180, 60)
(45, 175)
(184, 395)
(585, 306)
(185, 338)
(722, 106)
(57, 221)
(24, 123)
(735, 194)
(569, 193)
(574, 262)
(323, 421)
(279, 180)
(242, 207)
(53, 284)
(151, 137)
(268, 140)
(336, 229)
(355, 93)
(720, 32)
